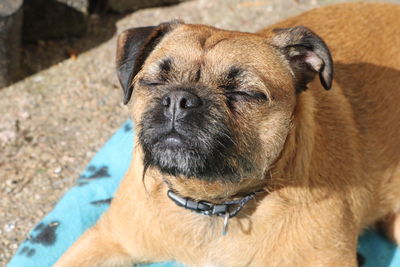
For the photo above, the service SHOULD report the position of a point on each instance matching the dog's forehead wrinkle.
(212, 43)
(206, 37)
(202, 39)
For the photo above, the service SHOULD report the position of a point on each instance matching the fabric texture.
(83, 204)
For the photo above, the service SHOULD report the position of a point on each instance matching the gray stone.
(55, 19)
(122, 6)
(10, 39)
(80, 5)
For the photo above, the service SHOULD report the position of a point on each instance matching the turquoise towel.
(83, 204)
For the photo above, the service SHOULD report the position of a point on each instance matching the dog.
(242, 156)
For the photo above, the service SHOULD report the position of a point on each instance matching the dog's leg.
(95, 248)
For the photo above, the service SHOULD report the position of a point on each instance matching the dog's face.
(213, 105)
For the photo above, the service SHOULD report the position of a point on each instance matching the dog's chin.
(175, 156)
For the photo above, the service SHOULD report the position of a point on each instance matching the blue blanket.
(83, 204)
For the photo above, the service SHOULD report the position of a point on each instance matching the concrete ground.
(54, 121)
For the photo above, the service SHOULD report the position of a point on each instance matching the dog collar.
(226, 209)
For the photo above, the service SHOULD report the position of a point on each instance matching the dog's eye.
(150, 83)
(249, 95)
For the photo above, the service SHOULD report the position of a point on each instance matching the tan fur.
(330, 160)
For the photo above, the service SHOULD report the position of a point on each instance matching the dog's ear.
(307, 54)
(133, 47)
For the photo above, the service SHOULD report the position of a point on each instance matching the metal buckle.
(226, 221)
(205, 208)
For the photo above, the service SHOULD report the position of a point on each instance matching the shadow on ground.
(41, 49)
(42, 54)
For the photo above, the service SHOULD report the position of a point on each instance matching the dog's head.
(214, 106)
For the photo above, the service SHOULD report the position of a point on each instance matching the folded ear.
(307, 54)
(133, 47)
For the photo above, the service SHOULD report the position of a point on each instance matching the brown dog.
(226, 116)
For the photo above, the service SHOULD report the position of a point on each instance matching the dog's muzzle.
(185, 134)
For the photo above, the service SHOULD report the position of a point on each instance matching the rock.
(10, 39)
(80, 5)
(55, 19)
(57, 170)
(122, 6)
(9, 227)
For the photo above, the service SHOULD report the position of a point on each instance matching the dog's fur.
(329, 160)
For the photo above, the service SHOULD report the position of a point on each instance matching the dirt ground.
(55, 119)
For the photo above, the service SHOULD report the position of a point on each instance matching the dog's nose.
(178, 104)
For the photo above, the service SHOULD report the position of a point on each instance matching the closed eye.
(254, 95)
(150, 83)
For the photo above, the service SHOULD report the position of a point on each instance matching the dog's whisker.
(145, 168)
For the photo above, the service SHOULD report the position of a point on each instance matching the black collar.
(226, 209)
(207, 208)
